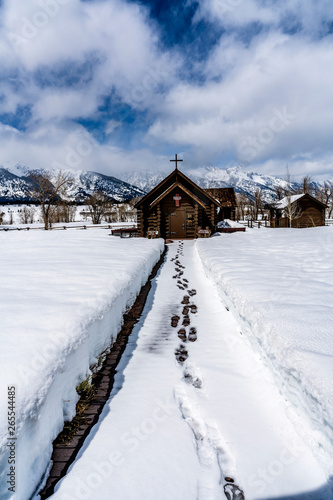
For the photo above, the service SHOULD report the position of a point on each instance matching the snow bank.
(62, 299)
(233, 223)
(229, 223)
(279, 283)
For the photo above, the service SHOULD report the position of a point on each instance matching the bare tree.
(242, 205)
(133, 201)
(325, 195)
(122, 213)
(257, 203)
(307, 184)
(98, 205)
(27, 215)
(64, 212)
(2, 217)
(131, 212)
(47, 191)
(291, 210)
(280, 192)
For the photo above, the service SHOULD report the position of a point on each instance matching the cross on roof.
(176, 160)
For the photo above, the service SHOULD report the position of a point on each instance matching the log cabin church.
(177, 208)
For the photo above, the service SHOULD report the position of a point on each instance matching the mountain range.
(14, 187)
(214, 177)
(15, 183)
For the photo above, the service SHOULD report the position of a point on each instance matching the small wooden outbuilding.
(177, 208)
(227, 200)
(302, 210)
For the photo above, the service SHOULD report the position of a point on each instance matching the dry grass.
(86, 391)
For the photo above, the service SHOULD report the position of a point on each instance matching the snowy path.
(192, 409)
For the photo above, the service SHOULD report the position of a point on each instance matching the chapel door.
(177, 223)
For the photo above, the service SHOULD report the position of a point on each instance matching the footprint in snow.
(186, 320)
(225, 457)
(192, 336)
(212, 448)
(233, 492)
(182, 334)
(192, 375)
(181, 354)
(174, 321)
(192, 417)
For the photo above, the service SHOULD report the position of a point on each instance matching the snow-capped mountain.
(15, 183)
(86, 183)
(243, 181)
(14, 187)
(209, 177)
(144, 179)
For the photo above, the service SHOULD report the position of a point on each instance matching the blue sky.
(116, 86)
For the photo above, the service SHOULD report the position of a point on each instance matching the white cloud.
(274, 92)
(75, 149)
(247, 81)
(118, 34)
(305, 15)
(46, 37)
(111, 126)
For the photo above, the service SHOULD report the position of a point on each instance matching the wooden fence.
(61, 228)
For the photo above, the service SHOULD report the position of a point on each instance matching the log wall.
(312, 215)
(157, 218)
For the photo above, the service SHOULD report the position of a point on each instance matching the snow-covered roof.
(288, 199)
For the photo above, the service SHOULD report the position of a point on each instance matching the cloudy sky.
(112, 86)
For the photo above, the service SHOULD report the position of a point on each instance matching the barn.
(177, 208)
(302, 209)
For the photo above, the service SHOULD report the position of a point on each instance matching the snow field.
(279, 284)
(176, 430)
(63, 295)
(12, 217)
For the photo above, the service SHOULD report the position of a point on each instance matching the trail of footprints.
(183, 284)
(191, 375)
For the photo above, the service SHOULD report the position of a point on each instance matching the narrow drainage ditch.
(66, 449)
